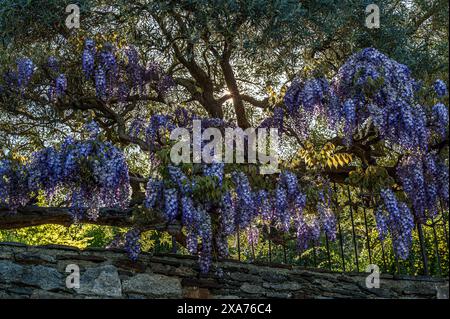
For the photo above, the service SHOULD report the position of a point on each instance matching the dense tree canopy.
(85, 113)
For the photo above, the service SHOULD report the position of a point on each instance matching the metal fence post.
(238, 243)
(338, 215)
(436, 247)
(444, 223)
(383, 254)
(353, 229)
(423, 249)
(270, 251)
(367, 235)
(314, 255)
(328, 251)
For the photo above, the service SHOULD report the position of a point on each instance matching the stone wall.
(40, 272)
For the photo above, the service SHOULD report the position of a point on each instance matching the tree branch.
(258, 103)
(201, 78)
(35, 216)
(231, 83)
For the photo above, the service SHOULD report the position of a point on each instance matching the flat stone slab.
(10, 272)
(46, 278)
(101, 281)
(153, 285)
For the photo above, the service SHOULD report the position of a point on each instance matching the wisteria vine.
(92, 173)
(368, 88)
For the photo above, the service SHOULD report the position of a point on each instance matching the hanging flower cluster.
(58, 88)
(395, 217)
(117, 78)
(308, 231)
(238, 209)
(368, 85)
(440, 88)
(274, 121)
(326, 216)
(14, 190)
(440, 118)
(173, 199)
(372, 87)
(157, 129)
(424, 178)
(112, 77)
(131, 244)
(60, 85)
(94, 175)
(88, 58)
(25, 69)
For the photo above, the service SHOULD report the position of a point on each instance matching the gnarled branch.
(34, 216)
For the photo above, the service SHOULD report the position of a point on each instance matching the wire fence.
(357, 244)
